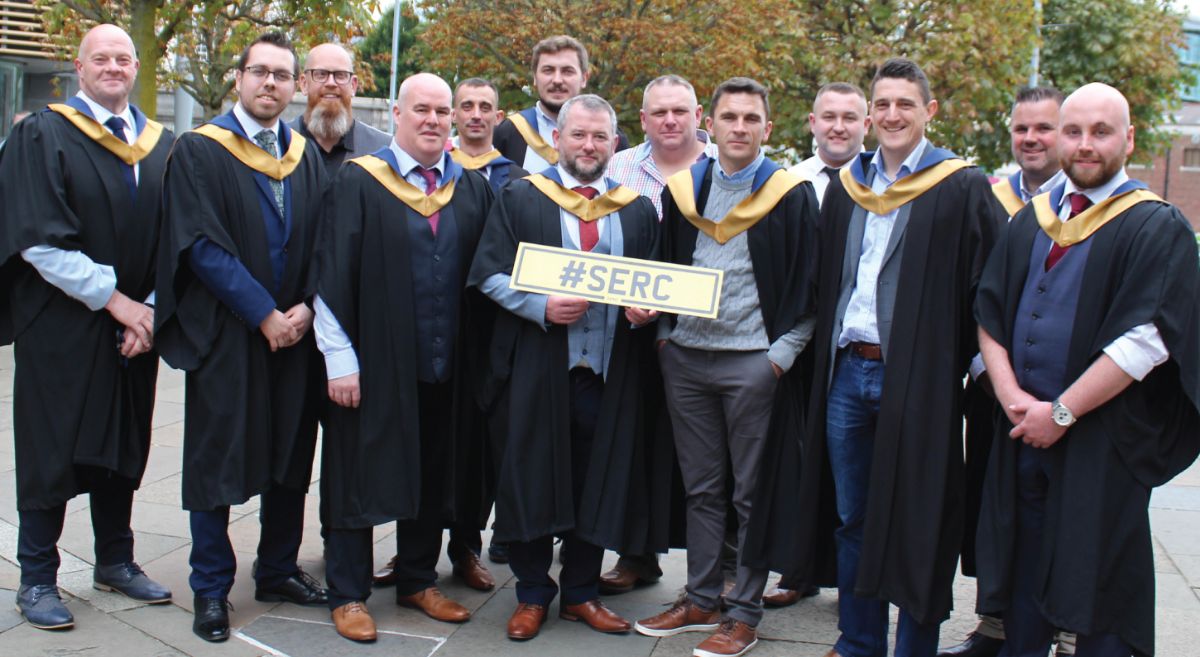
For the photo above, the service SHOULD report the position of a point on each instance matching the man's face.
(899, 115)
(839, 122)
(107, 68)
(328, 61)
(739, 126)
(423, 120)
(264, 96)
(586, 143)
(1034, 137)
(558, 78)
(670, 117)
(475, 113)
(1093, 141)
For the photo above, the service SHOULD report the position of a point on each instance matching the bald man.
(81, 183)
(403, 340)
(1087, 311)
(329, 84)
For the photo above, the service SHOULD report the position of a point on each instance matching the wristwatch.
(1062, 415)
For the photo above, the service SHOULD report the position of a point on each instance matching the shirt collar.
(250, 125)
(906, 167)
(570, 182)
(543, 116)
(1095, 194)
(745, 174)
(102, 114)
(407, 162)
(1051, 183)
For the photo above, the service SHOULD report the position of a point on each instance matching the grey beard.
(328, 123)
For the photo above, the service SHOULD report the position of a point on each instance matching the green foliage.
(375, 52)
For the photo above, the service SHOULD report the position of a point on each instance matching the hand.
(278, 331)
(1037, 427)
(777, 369)
(565, 310)
(344, 391)
(640, 316)
(301, 317)
(1015, 402)
(130, 345)
(138, 320)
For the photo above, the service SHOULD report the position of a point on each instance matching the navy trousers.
(40, 529)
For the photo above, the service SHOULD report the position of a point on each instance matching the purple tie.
(117, 125)
(430, 176)
(589, 234)
(1079, 203)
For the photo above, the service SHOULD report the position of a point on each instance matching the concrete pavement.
(109, 624)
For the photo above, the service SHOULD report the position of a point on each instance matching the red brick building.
(1175, 175)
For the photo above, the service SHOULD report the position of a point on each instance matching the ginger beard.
(329, 118)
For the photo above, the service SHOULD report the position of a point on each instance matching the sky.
(1192, 7)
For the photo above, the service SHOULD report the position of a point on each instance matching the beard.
(584, 174)
(1108, 169)
(329, 119)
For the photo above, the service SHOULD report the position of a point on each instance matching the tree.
(207, 36)
(375, 52)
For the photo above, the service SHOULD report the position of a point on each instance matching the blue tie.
(117, 125)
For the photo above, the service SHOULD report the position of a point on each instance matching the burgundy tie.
(1079, 203)
(430, 176)
(589, 234)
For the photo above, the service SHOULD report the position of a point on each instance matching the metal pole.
(1035, 58)
(395, 57)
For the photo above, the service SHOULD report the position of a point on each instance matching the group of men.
(324, 273)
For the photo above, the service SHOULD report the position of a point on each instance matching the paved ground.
(108, 624)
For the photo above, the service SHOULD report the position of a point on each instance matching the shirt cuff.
(978, 368)
(341, 362)
(1138, 351)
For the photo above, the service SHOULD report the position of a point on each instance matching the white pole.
(395, 57)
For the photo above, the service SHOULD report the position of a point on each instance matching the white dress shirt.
(813, 170)
(535, 163)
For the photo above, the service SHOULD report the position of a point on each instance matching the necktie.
(269, 143)
(1079, 203)
(430, 176)
(589, 233)
(831, 172)
(117, 125)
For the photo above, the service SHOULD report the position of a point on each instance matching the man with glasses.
(329, 83)
(242, 200)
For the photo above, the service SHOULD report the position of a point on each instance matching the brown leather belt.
(866, 350)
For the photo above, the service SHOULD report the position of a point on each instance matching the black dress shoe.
(299, 589)
(498, 552)
(976, 645)
(212, 619)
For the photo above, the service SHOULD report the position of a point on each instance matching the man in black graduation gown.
(401, 338)
(1088, 313)
(731, 391)
(242, 202)
(904, 234)
(476, 113)
(560, 72)
(81, 183)
(564, 384)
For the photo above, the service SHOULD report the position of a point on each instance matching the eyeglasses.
(261, 73)
(320, 75)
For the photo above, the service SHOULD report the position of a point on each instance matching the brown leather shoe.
(435, 605)
(526, 621)
(832, 653)
(596, 615)
(386, 576)
(618, 580)
(683, 616)
(779, 596)
(472, 571)
(733, 639)
(354, 622)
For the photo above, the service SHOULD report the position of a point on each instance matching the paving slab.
(301, 638)
(172, 625)
(95, 633)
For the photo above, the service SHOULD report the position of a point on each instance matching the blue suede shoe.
(129, 580)
(42, 607)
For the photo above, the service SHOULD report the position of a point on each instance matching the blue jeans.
(851, 415)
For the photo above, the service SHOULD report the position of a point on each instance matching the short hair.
(478, 82)
(846, 88)
(741, 86)
(904, 69)
(670, 80)
(277, 39)
(590, 102)
(1038, 94)
(551, 45)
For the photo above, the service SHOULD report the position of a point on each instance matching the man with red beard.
(329, 83)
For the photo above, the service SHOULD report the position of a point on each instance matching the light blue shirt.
(545, 127)
(1050, 184)
(860, 323)
(741, 176)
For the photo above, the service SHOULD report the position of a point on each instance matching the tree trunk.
(142, 17)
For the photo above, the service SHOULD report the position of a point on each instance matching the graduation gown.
(371, 460)
(76, 400)
(782, 250)
(914, 517)
(1097, 565)
(526, 388)
(251, 414)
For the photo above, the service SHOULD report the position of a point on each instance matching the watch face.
(1062, 417)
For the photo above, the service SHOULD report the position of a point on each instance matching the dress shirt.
(73, 272)
(860, 323)
(253, 127)
(485, 171)
(1054, 181)
(340, 357)
(813, 170)
(545, 127)
(635, 168)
